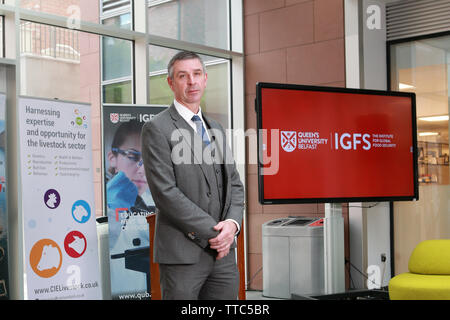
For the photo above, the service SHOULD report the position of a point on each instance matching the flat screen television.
(325, 144)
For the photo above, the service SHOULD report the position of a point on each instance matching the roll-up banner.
(128, 200)
(57, 197)
(4, 276)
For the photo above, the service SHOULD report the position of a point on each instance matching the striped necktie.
(201, 129)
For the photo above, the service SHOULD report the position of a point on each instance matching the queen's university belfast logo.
(289, 140)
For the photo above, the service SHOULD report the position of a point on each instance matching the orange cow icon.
(45, 258)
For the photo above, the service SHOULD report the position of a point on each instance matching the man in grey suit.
(197, 191)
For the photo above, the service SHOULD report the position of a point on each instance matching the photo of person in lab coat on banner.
(128, 200)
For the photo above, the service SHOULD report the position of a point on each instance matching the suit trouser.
(208, 279)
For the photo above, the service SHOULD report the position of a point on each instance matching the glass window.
(423, 67)
(41, 40)
(75, 10)
(117, 63)
(120, 92)
(215, 102)
(66, 64)
(122, 21)
(117, 52)
(112, 7)
(116, 60)
(199, 21)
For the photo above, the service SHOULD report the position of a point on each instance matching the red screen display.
(325, 145)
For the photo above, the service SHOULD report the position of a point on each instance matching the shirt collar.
(185, 112)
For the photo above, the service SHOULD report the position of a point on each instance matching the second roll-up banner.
(128, 200)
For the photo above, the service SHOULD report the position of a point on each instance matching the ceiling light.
(404, 86)
(428, 134)
(435, 118)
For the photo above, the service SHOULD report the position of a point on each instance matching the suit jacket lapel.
(187, 132)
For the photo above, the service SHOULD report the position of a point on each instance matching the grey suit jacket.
(180, 182)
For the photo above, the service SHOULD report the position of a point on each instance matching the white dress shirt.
(187, 115)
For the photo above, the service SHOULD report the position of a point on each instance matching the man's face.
(188, 83)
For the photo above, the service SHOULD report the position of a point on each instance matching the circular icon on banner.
(75, 244)
(52, 199)
(45, 258)
(81, 211)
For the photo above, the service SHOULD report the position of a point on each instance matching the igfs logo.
(347, 141)
(288, 140)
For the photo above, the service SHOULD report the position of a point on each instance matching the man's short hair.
(183, 55)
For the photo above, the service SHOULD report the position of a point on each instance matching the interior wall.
(286, 41)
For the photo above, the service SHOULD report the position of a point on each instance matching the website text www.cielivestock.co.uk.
(59, 288)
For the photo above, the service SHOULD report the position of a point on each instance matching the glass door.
(423, 66)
